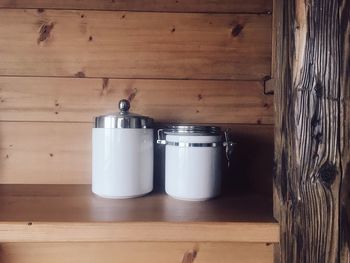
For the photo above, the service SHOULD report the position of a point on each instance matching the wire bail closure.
(229, 145)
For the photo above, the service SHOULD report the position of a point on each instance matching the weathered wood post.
(312, 70)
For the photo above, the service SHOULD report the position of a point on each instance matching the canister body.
(193, 166)
(122, 162)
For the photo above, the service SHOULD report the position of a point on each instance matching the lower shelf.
(131, 252)
(57, 213)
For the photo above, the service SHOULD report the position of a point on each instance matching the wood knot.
(189, 256)
(318, 137)
(79, 74)
(45, 32)
(132, 94)
(328, 173)
(318, 90)
(105, 82)
(237, 30)
(315, 120)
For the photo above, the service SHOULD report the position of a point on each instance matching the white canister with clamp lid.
(193, 160)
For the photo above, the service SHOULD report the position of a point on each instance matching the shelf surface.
(42, 213)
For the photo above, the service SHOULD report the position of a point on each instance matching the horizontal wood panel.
(136, 252)
(77, 99)
(60, 153)
(222, 6)
(45, 153)
(76, 203)
(134, 44)
(138, 231)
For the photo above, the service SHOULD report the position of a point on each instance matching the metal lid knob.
(124, 106)
(123, 119)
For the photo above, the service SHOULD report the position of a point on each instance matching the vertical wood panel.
(344, 16)
(310, 145)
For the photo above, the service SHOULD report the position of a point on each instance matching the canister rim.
(123, 122)
(193, 130)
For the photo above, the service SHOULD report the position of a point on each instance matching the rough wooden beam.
(312, 129)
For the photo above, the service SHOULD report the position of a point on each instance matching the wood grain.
(60, 153)
(344, 17)
(71, 213)
(45, 153)
(134, 44)
(80, 100)
(130, 252)
(138, 232)
(310, 123)
(222, 6)
(76, 203)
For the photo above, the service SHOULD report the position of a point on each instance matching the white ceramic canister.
(193, 157)
(122, 154)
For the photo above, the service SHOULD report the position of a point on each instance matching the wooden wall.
(64, 62)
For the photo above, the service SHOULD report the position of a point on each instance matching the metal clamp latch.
(161, 139)
(229, 145)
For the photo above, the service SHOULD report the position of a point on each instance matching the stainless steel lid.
(123, 119)
(190, 129)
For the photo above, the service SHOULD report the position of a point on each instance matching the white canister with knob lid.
(122, 154)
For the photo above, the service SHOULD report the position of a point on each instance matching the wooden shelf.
(55, 213)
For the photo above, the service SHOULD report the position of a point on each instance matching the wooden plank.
(45, 152)
(67, 213)
(207, 6)
(276, 63)
(76, 203)
(131, 252)
(344, 17)
(138, 232)
(134, 44)
(125, 252)
(76, 99)
(60, 153)
(312, 139)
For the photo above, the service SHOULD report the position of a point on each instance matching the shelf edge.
(138, 231)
